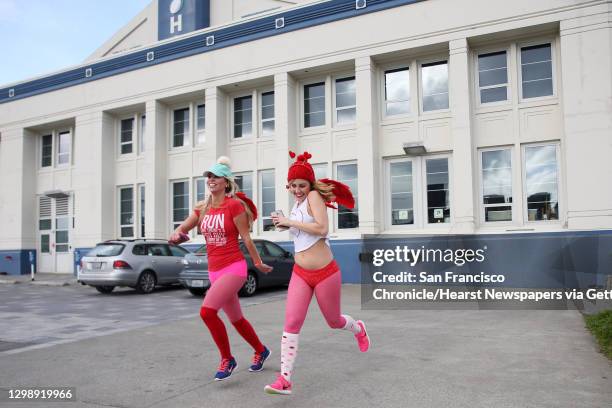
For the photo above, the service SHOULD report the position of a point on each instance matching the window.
(243, 117)
(141, 133)
(178, 251)
(347, 174)
(267, 114)
(64, 143)
(434, 77)
(259, 245)
(141, 194)
(438, 200)
(493, 77)
(127, 129)
(402, 193)
(139, 250)
(44, 244)
(541, 182)
(201, 189)
(158, 250)
(201, 123)
(180, 128)
(180, 203)
(245, 183)
(497, 184)
(62, 224)
(275, 251)
(314, 105)
(320, 170)
(268, 198)
(47, 151)
(536, 71)
(345, 100)
(61, 235)
(397, 91)
(418, 192)
(126, 212)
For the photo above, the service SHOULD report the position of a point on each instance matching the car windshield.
(201, 250)
(106, 250)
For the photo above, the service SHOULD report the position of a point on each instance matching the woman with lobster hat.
(224, 215)
(315, 271)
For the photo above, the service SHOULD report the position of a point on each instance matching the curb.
(40, 283)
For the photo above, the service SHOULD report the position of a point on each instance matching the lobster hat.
(301, 169)
(220, 169)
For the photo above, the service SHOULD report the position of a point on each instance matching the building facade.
(446, 118)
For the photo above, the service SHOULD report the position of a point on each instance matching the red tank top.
(221, 234)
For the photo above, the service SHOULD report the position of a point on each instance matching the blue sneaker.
(259, 359)
(225, 369)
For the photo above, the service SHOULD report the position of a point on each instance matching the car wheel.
(146, 282)
(199, 292)
(105, 289)
(250, 286)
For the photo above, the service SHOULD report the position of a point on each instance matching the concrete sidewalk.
(47, 279)
(421, 358)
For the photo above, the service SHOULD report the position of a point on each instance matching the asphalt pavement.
(419, 358)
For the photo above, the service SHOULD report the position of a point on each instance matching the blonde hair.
(230, 190)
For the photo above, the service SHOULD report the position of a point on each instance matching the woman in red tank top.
(223, 216)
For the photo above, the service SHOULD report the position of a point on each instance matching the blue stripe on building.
(298, 19)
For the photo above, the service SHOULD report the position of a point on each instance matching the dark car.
(195, 269)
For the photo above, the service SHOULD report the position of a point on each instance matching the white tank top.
(303, 240)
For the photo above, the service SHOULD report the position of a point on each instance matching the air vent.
(44, 210)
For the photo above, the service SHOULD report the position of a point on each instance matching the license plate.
(94, 265)
(197, 283)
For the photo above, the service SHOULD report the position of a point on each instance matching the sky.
(38, 37)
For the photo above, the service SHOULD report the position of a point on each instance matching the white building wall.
(586, 63)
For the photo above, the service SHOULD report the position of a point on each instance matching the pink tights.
(223, 294)
(328, 298)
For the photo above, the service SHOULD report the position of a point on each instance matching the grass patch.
(600, 325)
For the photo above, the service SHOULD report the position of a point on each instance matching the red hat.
(301, 169)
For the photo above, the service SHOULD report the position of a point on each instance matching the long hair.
(326, 190)
(230, 191)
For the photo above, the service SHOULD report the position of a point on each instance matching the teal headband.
(219, 170)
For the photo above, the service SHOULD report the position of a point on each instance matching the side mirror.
(288, 255)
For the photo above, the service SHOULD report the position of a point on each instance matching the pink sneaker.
(280, 386)
(363, 340)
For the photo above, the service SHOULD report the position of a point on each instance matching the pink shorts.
(238, 268)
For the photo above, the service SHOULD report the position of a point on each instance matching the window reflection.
(541, 183)
(402, 205)
(397, 91)
(438, 203)
(348, 218)
(497, 185)
(435, 86)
